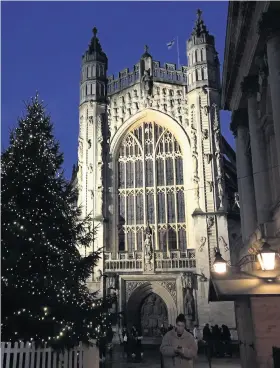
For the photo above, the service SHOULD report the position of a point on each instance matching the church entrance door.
(154, 315)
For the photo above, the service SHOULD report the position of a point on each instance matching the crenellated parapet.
(168, 73)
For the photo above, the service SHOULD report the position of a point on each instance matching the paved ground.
(152, 360)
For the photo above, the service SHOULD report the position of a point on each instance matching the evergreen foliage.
(44, 294)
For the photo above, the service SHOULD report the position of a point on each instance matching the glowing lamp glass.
(266, 258)
(219, 265)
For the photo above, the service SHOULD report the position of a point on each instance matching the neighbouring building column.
(269, 26)
(245, 329)
(265, 315)
(239, 127)
(260, 171)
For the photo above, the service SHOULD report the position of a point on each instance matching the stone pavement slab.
(152, 360)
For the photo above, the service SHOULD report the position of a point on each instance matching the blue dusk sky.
(42, 45)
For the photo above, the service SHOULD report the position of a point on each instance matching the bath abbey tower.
(159, 179)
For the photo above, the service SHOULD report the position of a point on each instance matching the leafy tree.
(44, 294)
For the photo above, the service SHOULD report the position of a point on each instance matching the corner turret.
(203, 61)
(94, 72)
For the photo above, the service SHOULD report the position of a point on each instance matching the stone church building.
(159, 179)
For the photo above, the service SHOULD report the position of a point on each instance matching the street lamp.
(266, 258)
(219, 265)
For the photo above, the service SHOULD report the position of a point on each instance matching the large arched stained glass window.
(151, 189)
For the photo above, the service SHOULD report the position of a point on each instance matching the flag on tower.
(170, 44)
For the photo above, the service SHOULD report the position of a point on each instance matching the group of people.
(179, 345)
(218, 340)
(132, 344)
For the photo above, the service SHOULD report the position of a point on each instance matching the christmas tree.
(44, 294)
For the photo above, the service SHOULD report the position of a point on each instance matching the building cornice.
(227, 49)
(234, 57)
(245, 50)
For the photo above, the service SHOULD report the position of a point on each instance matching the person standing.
(196, 333)
(178, 347)
(217, 341)
(109, 342)
(208, 338)
(139, 350)
(226, 340)
(207, 335)
(125, 342)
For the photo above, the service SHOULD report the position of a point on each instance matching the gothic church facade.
(158, 177)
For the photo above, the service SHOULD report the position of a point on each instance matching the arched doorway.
(149, 299)
(153, 315)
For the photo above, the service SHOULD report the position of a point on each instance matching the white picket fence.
(25, 355)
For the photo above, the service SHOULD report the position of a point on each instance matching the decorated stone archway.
(160, 297)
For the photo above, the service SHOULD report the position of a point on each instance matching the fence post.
(91, 356)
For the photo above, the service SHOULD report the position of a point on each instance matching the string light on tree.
(44, 293)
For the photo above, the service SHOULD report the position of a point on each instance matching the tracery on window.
(150, 189)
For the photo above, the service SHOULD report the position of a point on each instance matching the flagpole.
(178, 54)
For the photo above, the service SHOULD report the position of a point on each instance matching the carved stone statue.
(194, 141)
(190, 305)
(148, 247)
(183, 280)
(147, 81)
(205, 134)
(195, 166)
(219, 160)
(220, 191)
(217, 140)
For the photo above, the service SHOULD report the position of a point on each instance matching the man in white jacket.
(178, 346)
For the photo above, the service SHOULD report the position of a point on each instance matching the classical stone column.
(258, 151)
(269, 27)
(239, 127)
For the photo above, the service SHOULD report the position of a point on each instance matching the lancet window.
(151, 189)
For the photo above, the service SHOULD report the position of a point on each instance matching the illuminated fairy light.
(43, 274)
